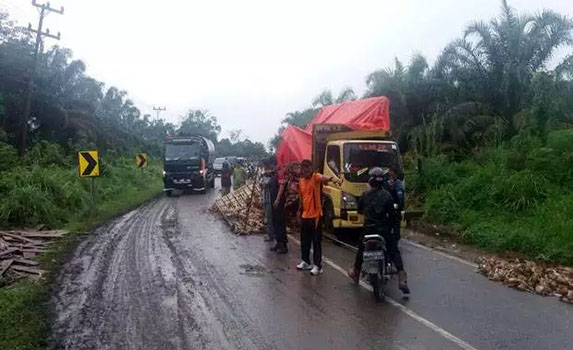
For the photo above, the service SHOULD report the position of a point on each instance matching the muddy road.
(170, 275)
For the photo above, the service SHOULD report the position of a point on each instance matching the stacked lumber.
(242, 209)
(530, 276)
(17, 248)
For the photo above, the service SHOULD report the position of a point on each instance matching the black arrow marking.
(142, 160)
(92, 163)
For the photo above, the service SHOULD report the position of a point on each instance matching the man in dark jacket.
(396, 188)
(377, 205)
(226, 181)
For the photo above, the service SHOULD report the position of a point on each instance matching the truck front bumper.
(179, 182)
(349, 219)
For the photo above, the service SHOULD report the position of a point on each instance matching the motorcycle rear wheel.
(376, 286)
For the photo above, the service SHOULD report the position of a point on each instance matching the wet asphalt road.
(170, 275)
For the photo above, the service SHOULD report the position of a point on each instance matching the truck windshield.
(359, 158)
(174, 152)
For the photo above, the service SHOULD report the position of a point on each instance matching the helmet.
(378, 176)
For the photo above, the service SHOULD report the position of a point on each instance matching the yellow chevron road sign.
(88, 163)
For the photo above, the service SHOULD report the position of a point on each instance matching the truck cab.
(349, 156)
(188, 164)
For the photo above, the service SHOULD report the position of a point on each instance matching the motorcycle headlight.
(348, 201)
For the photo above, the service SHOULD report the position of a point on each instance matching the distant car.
(218, 165)
(233, 161)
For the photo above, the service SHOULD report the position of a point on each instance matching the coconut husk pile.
(530, 276)
(18, 248)
(242, 209)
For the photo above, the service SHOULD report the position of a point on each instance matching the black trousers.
(311, 234)
(391, 248)
(279, 225)
(397, 226)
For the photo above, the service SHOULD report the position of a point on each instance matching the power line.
(44, 9)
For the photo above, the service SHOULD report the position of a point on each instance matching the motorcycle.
(377, 265)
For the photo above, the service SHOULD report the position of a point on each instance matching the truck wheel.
(168, 193)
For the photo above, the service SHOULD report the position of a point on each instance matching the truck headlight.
(348, 201)
(164, 173)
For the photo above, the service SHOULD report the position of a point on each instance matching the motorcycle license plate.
(373, 256)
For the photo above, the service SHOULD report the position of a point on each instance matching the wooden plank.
(27, 269)
(4, 265)
(42, 235)
(26, 262)
(29, 255)
(3, 244)
(18, 237)
(9, 251)
(33, 250)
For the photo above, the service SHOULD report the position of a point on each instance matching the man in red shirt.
(309, 213)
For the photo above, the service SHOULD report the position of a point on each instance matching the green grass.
(56, 196)
(516, 198)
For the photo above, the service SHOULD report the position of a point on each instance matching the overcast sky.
(251, 62)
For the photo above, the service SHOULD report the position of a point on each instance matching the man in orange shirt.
(309, 213)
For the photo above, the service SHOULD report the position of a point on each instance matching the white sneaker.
(316, 271)
(303, 265)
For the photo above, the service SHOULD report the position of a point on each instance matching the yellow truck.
(349, 155)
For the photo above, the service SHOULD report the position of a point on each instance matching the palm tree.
(496, 61)
(326, 98)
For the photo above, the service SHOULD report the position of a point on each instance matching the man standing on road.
(396, 188)
(268, 165)
(278, 198)
(377, 205)
(309, 213)
(226, 179)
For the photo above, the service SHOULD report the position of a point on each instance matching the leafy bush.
(519, 199)
(44, 153)
(8, 157)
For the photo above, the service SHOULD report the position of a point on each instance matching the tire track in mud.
(124, 289)
(142, 281)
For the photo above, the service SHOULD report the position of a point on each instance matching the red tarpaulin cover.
(295, 145)
(367, 114)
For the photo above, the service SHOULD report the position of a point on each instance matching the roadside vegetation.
(492, 117)
(517, 197)
(44, 188)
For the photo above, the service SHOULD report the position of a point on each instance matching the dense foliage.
(518, 197)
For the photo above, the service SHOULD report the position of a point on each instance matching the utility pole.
(45, 9)
(158, 110)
